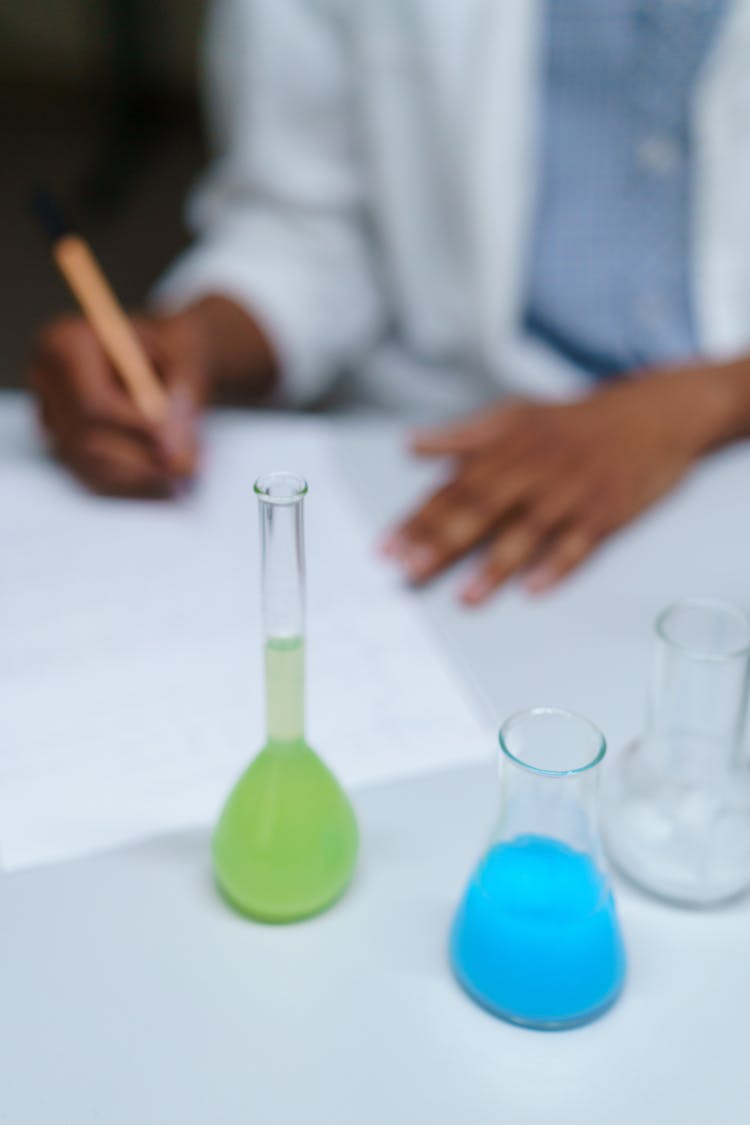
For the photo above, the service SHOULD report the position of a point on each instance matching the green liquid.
(286, 842)
(285, 689)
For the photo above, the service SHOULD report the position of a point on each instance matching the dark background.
(98, 101)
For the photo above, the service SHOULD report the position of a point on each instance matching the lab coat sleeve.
(281, 217)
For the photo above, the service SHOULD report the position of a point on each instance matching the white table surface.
(130, 994)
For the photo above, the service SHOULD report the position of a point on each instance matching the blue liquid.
(536, 938)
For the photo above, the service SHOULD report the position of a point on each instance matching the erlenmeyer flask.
(286, 842)
(536, 938)
(677, 800)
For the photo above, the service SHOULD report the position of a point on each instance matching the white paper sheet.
(130, 659)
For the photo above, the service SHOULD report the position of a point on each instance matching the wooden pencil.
(115, 332)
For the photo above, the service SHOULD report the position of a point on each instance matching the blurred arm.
(727, 412)
(280, 217)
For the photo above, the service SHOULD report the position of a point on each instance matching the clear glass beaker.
(536, 938)
(677, 800)
(286, 843)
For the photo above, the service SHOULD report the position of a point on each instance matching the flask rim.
(694, 652)
(560, 713)
(280, 488)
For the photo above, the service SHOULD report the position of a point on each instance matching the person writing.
(528, 219)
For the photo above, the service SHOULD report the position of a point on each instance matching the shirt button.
(658, 154)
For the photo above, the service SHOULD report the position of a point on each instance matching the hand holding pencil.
(91, 422)
(119, 399)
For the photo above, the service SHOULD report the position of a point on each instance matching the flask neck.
(549, 773)
(281, 497)
(563, 809)
(285, 689)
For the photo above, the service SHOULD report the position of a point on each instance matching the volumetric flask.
(677, 800)
(286, 842)
(536, 938)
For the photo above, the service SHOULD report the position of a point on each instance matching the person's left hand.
(543, 484)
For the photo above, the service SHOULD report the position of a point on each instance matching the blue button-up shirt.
(608, 281)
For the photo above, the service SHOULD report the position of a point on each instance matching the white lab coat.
(372, 199)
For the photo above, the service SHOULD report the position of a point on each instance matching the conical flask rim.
(560, 713)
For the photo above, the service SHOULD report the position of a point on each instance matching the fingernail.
(182, 409)
(182, 402)
(388, 544)
(169, 442)
(175, 454)
(475, 591)
(419, 561)
(536, 581)
(175, 437)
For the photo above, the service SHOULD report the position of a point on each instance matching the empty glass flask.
(677, 800)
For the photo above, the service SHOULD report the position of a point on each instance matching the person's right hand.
(90, 421)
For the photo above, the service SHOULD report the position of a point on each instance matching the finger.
(521, 542)
(512, 549)
(461, 515)
(78, 390)
(72, 373)
(561, 498)
(187, 392)
(178, 436)
(114, 464)
(564, 554)
(60, 426)
(470, 435)
(47, 415)
(452, 522)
